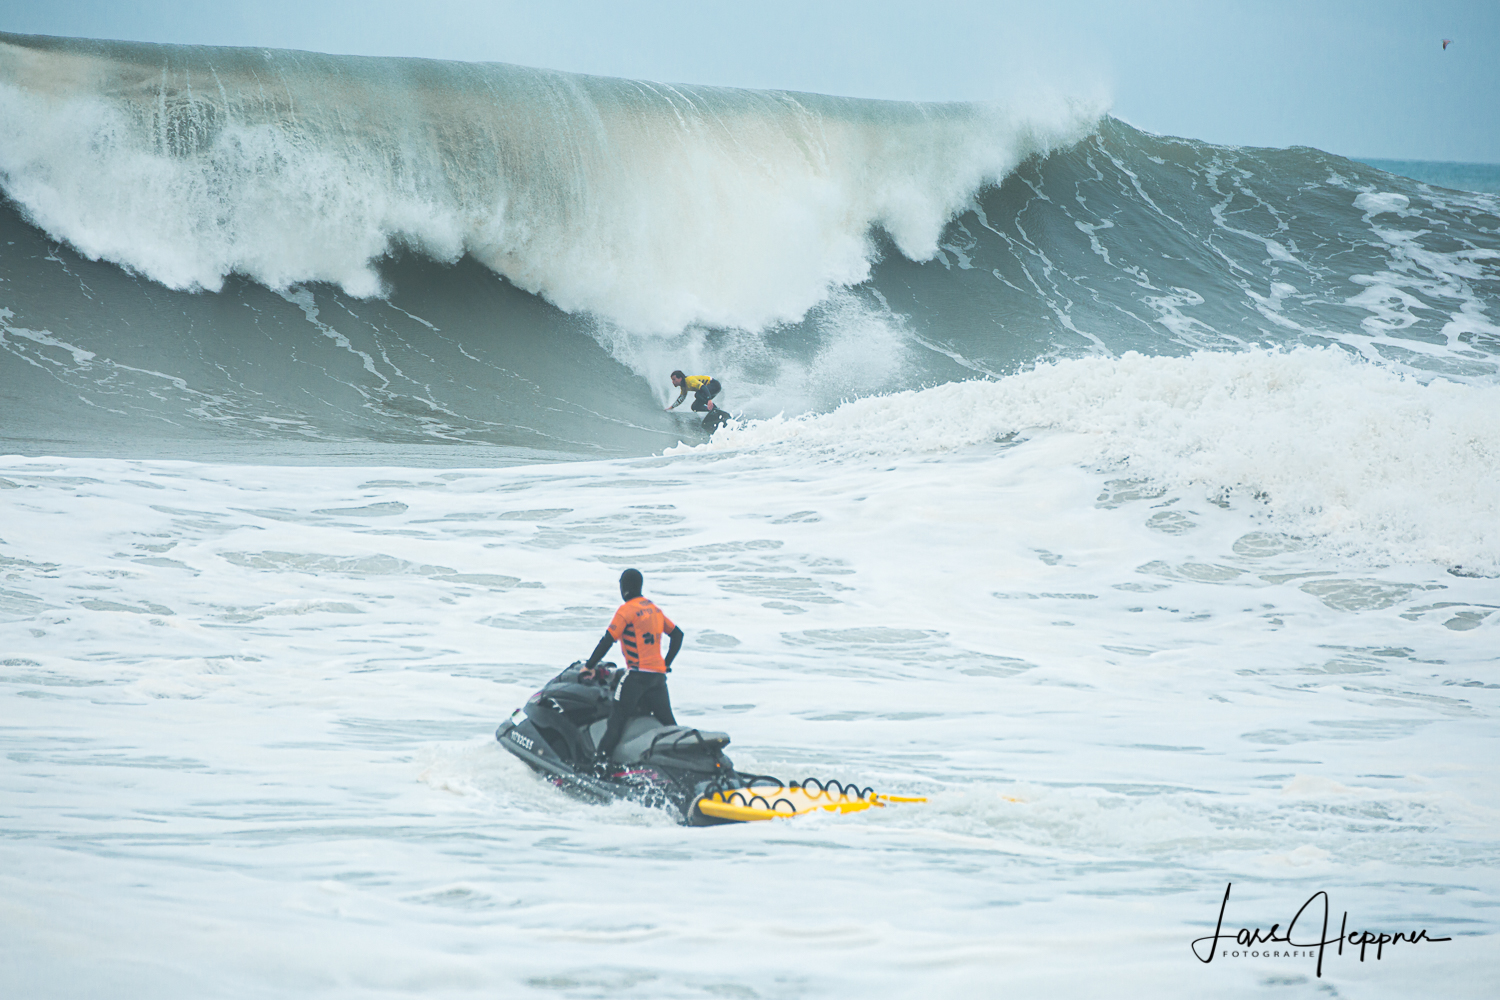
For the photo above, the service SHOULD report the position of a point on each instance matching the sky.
(1363, 78)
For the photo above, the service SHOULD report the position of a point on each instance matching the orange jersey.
(639, 625)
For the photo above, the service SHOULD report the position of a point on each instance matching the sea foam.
(1336, 447)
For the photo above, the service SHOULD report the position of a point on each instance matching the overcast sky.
(1359, 77)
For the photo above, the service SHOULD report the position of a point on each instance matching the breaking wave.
(653, 206)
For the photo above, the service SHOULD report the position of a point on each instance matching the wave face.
(250, 249)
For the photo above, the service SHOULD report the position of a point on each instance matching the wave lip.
(652, 206)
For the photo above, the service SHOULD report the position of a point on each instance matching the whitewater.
(1130, 498)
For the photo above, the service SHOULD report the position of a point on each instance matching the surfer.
(639, 625)
(705, 388)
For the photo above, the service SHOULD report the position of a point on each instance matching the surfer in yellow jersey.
(704, 389)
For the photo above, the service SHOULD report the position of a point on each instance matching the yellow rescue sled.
(768, 798)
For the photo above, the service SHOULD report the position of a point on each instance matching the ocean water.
(1131, 498)
(1444, 173)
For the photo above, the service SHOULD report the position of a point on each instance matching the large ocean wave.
(231, 248)
(650, 205)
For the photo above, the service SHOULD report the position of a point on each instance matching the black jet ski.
(677, 768)
(672, 767)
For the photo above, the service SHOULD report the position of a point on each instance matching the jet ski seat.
(644, 737)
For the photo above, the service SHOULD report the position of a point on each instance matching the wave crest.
(651, 206)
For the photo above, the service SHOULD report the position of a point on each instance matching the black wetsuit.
(704, 393)
(716, 416)
(639, 690)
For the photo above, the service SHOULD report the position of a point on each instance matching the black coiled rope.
(733, 788)
(833, 788)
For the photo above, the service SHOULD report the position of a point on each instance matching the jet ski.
(677, 768)
(558, 729)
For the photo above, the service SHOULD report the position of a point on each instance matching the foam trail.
(649, 205)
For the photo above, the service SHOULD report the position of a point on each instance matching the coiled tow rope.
(746, 797)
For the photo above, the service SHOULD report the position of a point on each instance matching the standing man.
(705, 388)
(638, 625)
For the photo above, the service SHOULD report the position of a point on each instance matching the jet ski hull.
(668, 767)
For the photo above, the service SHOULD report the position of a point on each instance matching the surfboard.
(710, 421)
(777, 801)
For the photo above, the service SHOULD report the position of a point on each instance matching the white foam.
(1419, 278)
(1338, 448)
(1112, 712)
(854, 348)
(1374, 203)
